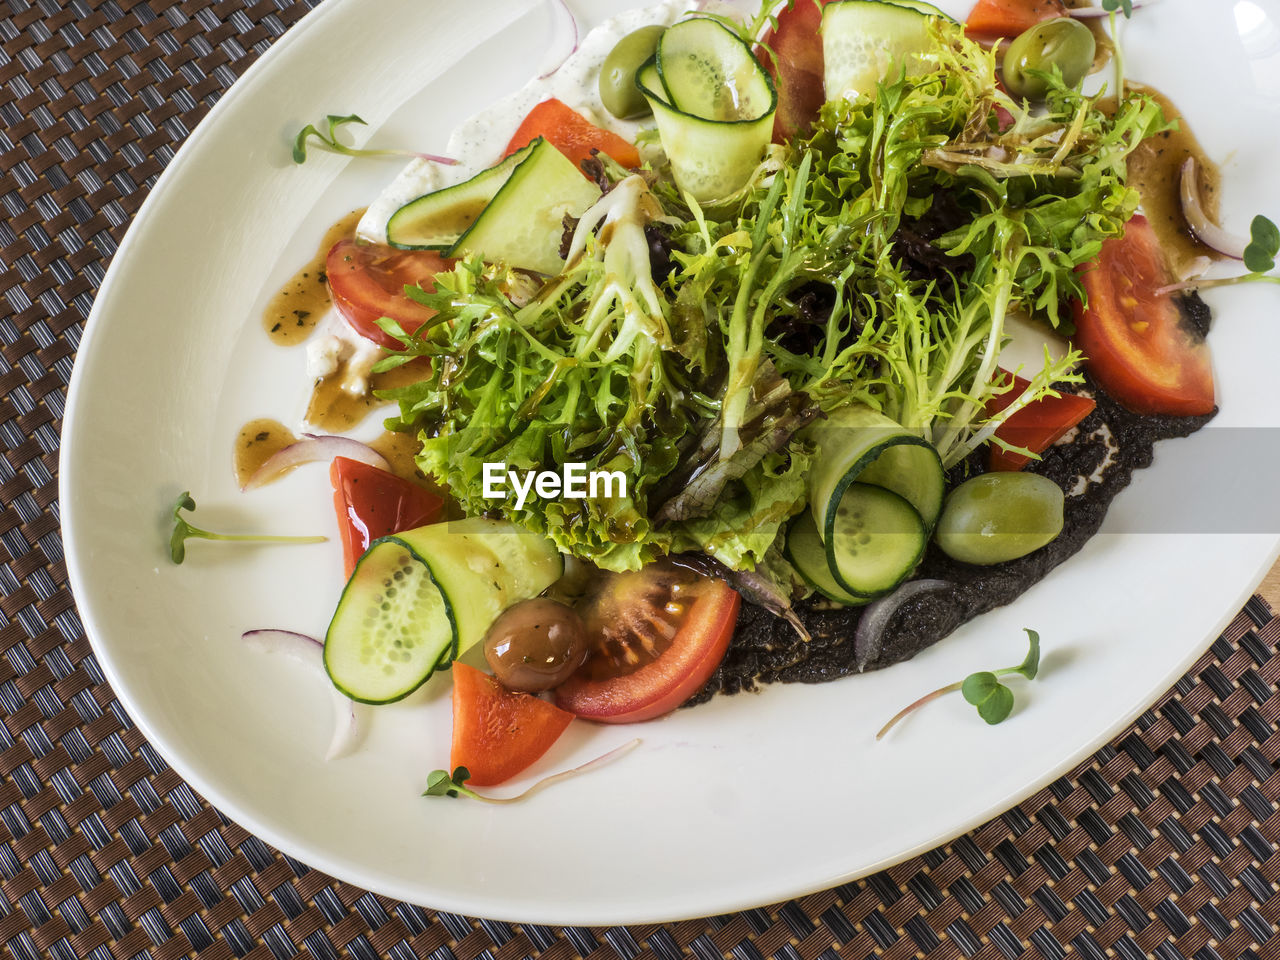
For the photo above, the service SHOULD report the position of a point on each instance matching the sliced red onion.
(1091, 13)
(868, 639)
(348, 725)
(573, 23)
(1208, 232)
(296, 646)
(348, 716)
(310, 448)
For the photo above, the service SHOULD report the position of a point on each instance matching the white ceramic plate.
(743, 801)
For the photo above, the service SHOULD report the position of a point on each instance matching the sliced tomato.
(572, 134)
(656, 636)
(497, 733)
(367, 281)
(1037, 426)
(1138, 345)
(796, 67)
(1008, 18)
(372, 503)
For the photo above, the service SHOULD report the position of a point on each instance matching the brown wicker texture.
(1164, 844)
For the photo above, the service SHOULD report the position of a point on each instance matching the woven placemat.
(1162, 845)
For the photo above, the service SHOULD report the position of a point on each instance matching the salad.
(705, 377)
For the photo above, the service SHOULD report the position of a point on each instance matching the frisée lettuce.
(688, 344)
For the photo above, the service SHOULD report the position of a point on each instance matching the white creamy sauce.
(334, 347)
(478, 143)
(1083, 483)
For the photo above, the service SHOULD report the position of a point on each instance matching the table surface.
(1269, 589)
(1165, 843)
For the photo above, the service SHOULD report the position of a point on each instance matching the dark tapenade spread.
(1091, 468)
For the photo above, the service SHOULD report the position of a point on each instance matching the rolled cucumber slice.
(418, 599)
(713, 104)
(867, 41)
(808, 555)
(858, 443)
(523, 224)
(710, 73)
(875, 540)
(436, 221)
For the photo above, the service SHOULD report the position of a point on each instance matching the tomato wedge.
(572, 134)
(367, 281)
(372, 503)
(796, 67)
(1037, 426)
(497, 733)
(656, 637)
(1008, 18)
(1140, 348)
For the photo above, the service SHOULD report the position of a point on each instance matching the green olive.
(1063, 43)
(999, 516)
(618, 90)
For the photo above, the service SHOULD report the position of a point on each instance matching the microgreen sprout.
(328, 140)
(983, 689)
(441, 783)
(1123, 6)
(1259, 258)
(183, 531)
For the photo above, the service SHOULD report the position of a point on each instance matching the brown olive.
(535, 645)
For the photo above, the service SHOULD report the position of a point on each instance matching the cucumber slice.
(875, 541)
(523, 223)
(858, 443)
(710, 73)
(419, 599)
(713, 105)
(808, 555)
(392, 626)
(867, 41)
(928, 9)
(482, 567)
(436, 221)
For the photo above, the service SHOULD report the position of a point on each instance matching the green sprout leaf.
(1123, 6)
(181, 529)
(440, 783)
(327, 142)
(1031, 665)
(1264, 245)
(184, 531)
(992, 698)
(984, 690)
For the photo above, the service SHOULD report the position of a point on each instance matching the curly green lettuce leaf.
(747, 520)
